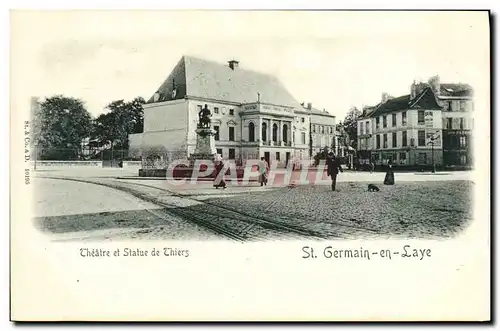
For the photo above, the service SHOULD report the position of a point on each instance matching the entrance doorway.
(267, 157)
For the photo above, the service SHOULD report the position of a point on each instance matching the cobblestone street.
(107, 207)
(410, 209)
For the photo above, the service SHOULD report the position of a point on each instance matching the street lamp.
(432, 138)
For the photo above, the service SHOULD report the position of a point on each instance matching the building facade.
(322, 130)
(457, 121)
(252, 113)
(413, 130)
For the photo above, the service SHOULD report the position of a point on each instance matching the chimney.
(309, 105)
(233, 64)
(435, 84)
(156, 96)
(416, 89)
(385, 97)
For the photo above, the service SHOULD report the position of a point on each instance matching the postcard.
(250, 165)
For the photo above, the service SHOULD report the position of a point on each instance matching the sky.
(335, 60)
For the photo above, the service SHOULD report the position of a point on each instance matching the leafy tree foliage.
(122, 119)
(59, 125)
(350, 128)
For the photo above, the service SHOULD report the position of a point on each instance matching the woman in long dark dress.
(389, 176)
(219, 176)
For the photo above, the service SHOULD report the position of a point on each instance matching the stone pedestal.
(205, 145)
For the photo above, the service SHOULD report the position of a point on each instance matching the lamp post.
(433, 138)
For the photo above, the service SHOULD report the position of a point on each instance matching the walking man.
(333, 168)
(264, 171)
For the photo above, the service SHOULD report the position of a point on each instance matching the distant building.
(421, 128)
(323, 133)
(253, 114)
(458, 122)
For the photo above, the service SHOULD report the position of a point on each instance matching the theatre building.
(253, 114)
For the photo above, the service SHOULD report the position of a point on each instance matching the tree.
(59, 126)
(123, 119)
(350, 127)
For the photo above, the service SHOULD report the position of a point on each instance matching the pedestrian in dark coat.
(219, 176)
(389, 176)
(333, 168)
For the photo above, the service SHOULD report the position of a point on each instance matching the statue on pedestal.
(205, 137)
(204, 116)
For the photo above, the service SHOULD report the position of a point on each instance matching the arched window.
(251, 132)
(275, 132)
(264, 131)
(285, 133)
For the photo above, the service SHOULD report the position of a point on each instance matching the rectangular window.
(377, 123)
(403, 118)
(421, 137)
(322, 129)
(314, 128)
(450, 106)
(402, 157)
(216, 110)
(331, 130)
(462, 105)
(449, 123)
(421, 117)
(231, 133)
(361, 128)
(384, 121)
(422, 158)
(394, 139)
(463, 141)
(277, 156)
(216, 128)
(385, 140)
(231, 112)
(232, 153)
(219, 151)
(378, 141)
(393, 120)
(405, 139)
(367, 127)
(461, 123)
(303, 138)
(303, 120)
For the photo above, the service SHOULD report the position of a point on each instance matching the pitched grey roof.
(194, 77)
(425, 100)
(317, 111)
(456, 90)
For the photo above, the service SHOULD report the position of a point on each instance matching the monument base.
(205, 146)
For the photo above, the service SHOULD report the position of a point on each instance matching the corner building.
(432, 124)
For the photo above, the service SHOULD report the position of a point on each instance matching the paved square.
(105, 207)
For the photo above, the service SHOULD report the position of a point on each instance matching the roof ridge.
(411, 104)
(225, 65)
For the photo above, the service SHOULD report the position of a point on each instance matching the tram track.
(302, 223)
(223, 221)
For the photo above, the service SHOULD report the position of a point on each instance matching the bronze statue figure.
(204, 117)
